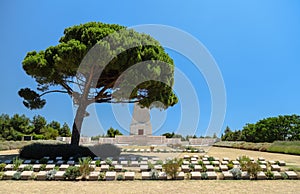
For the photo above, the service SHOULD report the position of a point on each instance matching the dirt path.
(146, 187)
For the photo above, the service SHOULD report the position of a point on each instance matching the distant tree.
(65, 131)
(169, 135)
(4, 126)
(15, 127)
(96, 138)
(227, 130)
(270, 129)
(21, 124)
(111, 132)
(54, 125)
(187, 137)
(215, 135)
(56, 69)
(179, 136)
(49, 132)
(39, 123)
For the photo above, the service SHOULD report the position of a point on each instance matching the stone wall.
(202, 141)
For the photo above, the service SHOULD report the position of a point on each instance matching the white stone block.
(110, 175)
(129, 175)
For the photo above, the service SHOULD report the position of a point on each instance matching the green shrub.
(98, 163)
(50, 174)
(108, 161)
(28, 168)
(72, 172)
(111, 168)
(284, 175)
(204, 169)
(210, 158)
(2, 167)
(150, 165)
(17, 176)
(120, 177)
(243, 162)
(230, 165)
(42, 167)
(192, 166)
(85, 168)
(1, 175)
(159, 162)
(204, 176)
(16, 163)
(172, 166)
(269, 175)
(101, 176)
(253, 169)
(139, 159)
(237, 173)
(154, 174)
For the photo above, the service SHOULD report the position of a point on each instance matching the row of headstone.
(146, 175)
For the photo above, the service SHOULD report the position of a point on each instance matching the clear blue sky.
(255, 43)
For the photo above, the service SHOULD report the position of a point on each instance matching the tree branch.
(68, 88)
(52, 91)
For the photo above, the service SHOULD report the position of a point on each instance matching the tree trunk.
(77, 124)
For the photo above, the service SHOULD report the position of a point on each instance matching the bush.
(43, 167)
(204, 176)
(269, 175)
(28, 168)
(2, 167)
(237, 173)
(111, 168)
(108, 161)
(1, 175)
(243, 162)
(98, 163)
(50, 174)
(154, 175)
(101, 176)
(159, 162)
(230, 165)
(17, 176)
(172, 166)
(150, 165)
(38, 151)
(120, 177)
(253, 169)
(85, 168)
(192, 166)
(72, 172)
(284, 175)
(16, 163)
